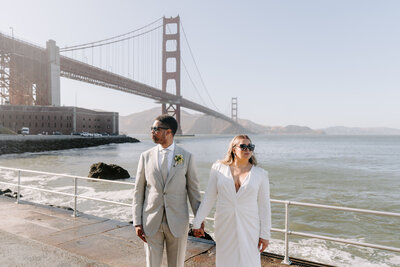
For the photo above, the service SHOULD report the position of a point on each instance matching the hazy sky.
(317, 63)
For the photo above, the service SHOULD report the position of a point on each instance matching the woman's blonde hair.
(230, 156)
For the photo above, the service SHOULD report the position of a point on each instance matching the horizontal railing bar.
(45, 190)
(102, 180)
(68, 175)
(69, 194)
(337, 240)
(344, 241)
(335, 208)
(8, 184)
(277, 230)
(103, 200)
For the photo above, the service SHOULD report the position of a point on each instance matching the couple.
(166, 178)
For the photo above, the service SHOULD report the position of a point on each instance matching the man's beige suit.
(152, 196)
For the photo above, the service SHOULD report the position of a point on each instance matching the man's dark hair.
(168, 121)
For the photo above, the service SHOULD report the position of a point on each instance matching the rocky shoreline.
(21, 144)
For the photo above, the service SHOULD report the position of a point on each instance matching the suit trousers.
(176, 247)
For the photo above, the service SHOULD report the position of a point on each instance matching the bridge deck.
(37, 235)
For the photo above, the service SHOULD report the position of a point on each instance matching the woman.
(243, 213)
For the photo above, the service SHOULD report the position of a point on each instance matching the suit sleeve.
(208, 201)
(264, 207)
(138, 192)
(192, 184)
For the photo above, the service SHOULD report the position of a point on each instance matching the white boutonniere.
(178, 159)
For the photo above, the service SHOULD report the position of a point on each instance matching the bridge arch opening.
(171, 86)
(172, 28)
(171, 45)
(171, 64)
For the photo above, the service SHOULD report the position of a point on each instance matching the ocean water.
(351, 171)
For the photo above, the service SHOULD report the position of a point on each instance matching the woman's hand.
(262, 244)
(199, 232)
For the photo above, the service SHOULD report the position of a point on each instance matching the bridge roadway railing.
(287, 232)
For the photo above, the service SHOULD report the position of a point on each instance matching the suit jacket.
(151, 195)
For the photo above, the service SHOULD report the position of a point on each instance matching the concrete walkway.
(38, 235)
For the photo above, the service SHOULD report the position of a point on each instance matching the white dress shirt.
(171, 150)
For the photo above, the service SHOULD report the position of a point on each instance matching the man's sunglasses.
(249, 147)
(157, 128)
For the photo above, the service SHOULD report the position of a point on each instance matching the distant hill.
(139, 123)
(341, 130)
(290, 129)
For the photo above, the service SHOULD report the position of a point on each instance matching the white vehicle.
(24, 130)
(85, 134)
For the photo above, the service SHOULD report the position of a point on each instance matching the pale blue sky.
(317, 63)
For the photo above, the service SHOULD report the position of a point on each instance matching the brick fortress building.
(65, 120)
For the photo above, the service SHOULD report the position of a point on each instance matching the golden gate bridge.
(146, 62)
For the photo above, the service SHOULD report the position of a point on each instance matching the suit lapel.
(173, 169)
(154, 159)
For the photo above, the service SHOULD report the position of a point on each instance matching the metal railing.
(75, 195)
(287, 232)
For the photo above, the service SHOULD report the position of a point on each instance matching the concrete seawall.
(37, 143)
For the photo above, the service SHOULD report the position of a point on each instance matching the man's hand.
(140, 232)
(262, 244)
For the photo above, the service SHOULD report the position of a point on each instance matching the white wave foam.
(335, 254)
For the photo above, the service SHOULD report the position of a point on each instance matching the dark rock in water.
(102, 170)
(2, 192)
(8, 193)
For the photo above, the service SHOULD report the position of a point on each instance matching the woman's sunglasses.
(249, 147)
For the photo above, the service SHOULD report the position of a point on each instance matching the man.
(165, 178)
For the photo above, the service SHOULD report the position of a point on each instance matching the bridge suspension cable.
(191, 80)
(197, 68)
(111, 42)
(135, 55)
(91, 44)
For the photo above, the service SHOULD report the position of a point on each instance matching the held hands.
(262, 244)
(199, 232)
(140, 232)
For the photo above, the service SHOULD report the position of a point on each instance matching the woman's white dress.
(241, 218)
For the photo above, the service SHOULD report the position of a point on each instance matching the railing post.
(18, 187)
(75, 196)
(286, 260)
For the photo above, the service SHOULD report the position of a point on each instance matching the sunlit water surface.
(352, 171)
